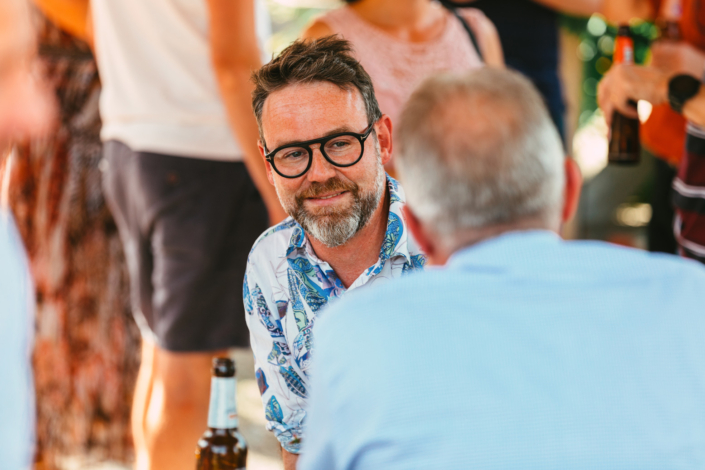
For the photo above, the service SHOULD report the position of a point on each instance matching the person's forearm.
(574, 7)
(235, 54)
(621, 11)
(236, 89)
(694, 109)
(289, 460)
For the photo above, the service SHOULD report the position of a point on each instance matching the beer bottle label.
(222, 413)
(624, 50)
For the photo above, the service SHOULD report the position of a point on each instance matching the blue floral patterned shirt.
(286, 285)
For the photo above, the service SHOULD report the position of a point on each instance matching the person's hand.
(626, 84)
(675, 58)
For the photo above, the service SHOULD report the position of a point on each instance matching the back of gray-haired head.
(480, 150)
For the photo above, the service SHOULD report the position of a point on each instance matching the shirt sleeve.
(283, 394)
(16, 327)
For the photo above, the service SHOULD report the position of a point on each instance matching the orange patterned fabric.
(664, 132)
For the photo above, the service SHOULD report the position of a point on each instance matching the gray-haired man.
(524, 351)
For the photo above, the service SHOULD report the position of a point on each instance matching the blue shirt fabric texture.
(16, 323)
(525, 351)
(286, 287)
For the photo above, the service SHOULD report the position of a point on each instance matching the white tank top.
(159, 88)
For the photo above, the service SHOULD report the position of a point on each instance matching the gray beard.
(335, 228)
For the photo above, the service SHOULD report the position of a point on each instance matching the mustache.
(332, 185)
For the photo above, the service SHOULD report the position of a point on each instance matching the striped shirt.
(689, 196)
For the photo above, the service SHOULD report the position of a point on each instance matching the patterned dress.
(286, 286)
(86, 349)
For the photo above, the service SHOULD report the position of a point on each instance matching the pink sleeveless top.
(396, 66)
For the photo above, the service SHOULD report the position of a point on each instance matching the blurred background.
(86, 352)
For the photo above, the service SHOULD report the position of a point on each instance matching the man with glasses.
(325, 142)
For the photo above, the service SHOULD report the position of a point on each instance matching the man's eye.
(339, 144)
(293, 154)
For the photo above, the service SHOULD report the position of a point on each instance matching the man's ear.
(417, 231)
(383, 128)
(267, 165)
(573, 186)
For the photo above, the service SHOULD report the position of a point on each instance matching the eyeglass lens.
(342, 150)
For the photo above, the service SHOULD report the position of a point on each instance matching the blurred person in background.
(684, 94)
(528, 31)
(523, 350)
(664, 132)
(26, 110)
(627, 82)
(401, 42)
(326, 142)
(182, 179)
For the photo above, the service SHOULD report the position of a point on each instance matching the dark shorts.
(187, 226)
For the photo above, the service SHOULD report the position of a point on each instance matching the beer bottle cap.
(223, 367)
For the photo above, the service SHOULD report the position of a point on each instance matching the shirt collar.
(508, 249)
(395, 239)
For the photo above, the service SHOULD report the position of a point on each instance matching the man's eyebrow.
(337, 130)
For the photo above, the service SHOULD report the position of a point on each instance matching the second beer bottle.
(624, 147)
(222, 447)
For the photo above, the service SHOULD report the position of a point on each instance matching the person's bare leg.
(143, 390)
(177, 414)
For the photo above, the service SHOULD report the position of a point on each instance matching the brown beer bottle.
(624, 148)
(222, 447)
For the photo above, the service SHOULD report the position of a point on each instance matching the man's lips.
(323, 199)
(328, 196)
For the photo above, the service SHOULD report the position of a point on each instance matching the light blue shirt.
(525, 352)
(16, 317)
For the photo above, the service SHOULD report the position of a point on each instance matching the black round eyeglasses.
(342, 150)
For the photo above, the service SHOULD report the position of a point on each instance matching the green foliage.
(287, 23)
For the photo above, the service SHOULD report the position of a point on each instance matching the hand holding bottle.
(625, 84)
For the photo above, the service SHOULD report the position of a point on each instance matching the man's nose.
(321, 170)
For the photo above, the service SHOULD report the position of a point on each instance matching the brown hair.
(328, 59)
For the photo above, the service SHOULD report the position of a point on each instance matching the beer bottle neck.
(624, 48)
(222, 412)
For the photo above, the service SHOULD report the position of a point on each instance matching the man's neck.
(409, 20)
(351, 259)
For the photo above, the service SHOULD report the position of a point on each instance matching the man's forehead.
(305, 111)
